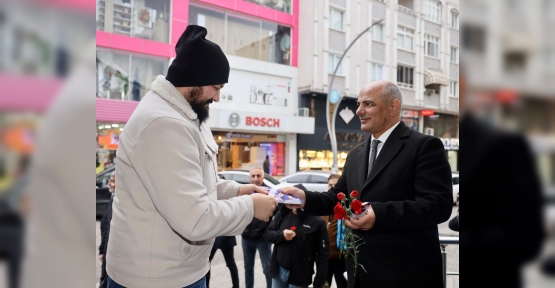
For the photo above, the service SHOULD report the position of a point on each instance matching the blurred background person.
(105, 230)
(225, 244)
(505, 225)
(336, 264)
(253, 239)
(300, 242)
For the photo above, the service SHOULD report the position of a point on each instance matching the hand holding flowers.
(342, 211)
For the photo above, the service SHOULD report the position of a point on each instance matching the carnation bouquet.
(351, 241)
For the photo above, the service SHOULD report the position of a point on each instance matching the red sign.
(262, 121)
(427, 112)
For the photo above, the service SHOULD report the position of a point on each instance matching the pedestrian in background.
(225, 244)
(336, 264)
(170, 204)
(253, 240)
(300, 240)
(105, 230)
(267, 165)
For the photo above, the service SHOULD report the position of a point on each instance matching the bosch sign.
(261, 121)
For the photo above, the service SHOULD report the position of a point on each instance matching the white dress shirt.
(382, 139)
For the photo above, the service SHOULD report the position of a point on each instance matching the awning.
(435, 77)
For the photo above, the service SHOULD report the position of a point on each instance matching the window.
(454, 19)
(318, 179)
(405, 76)
(298, 179)
(405, 38)
(377, 72)
(336, 19)
(377, 33)
(244, 36)
(454, 55)
(333, 59)
(432, 10)
(126, 76)
(453, 88)
(431, 45)
(146, 19)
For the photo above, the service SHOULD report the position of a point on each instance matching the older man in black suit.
(406, 179)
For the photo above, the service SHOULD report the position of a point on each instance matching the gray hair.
(254, 168)
(391, 92)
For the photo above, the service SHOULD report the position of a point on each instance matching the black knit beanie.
(198, 62)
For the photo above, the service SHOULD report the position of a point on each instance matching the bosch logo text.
(261, 121)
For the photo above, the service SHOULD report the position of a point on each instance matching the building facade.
(257, 114)
(416, 45)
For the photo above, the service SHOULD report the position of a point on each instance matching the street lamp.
(335, 101)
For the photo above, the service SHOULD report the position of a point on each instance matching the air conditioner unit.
(429, 131)
(303, 112)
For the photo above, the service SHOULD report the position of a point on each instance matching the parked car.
(455, 186)
(312, 180)
(102, 193)
(243, 177)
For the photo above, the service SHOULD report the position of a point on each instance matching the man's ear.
(395, 107)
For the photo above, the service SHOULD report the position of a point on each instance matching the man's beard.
(200, 107)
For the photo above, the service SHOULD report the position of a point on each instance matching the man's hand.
(289, 234)
(264, 206)
(101, 257)
(247, 189)
(366, 222)
(294, 191)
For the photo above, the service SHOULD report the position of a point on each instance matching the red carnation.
(293, 228)
(356, 206)
(339, 211)
(340, 196)
(354, 193)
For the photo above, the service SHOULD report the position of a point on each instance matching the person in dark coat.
(406, 179)
(253, 240)
(267, 165)
(336, 263)
(105, 231)
(300, 240)
(504, 196)
(225, 244)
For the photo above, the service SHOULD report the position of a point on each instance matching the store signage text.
(262, 121)
(427, 112)
(450, 143)
(347, 137)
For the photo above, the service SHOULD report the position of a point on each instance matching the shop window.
(279, 5)
(124, 76)
(147, 19)
(244, 36)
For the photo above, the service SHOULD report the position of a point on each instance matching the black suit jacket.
(410, 189)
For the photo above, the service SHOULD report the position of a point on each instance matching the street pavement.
(220, 277)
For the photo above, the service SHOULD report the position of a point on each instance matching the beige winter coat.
(170, 203)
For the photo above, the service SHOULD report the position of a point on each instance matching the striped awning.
(435, 77)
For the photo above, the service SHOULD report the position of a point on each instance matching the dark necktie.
(373, 154)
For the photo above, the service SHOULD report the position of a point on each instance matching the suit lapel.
(391, 147)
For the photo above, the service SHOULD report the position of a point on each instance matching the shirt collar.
(386, 134)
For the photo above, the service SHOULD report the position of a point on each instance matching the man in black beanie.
(168, 209)
(199, 62)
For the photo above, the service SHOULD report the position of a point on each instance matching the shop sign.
(347, 115)
(334, 96)
(450, 143)
(347, 140)
(234, 135)
(427, 112)
(261, 121)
